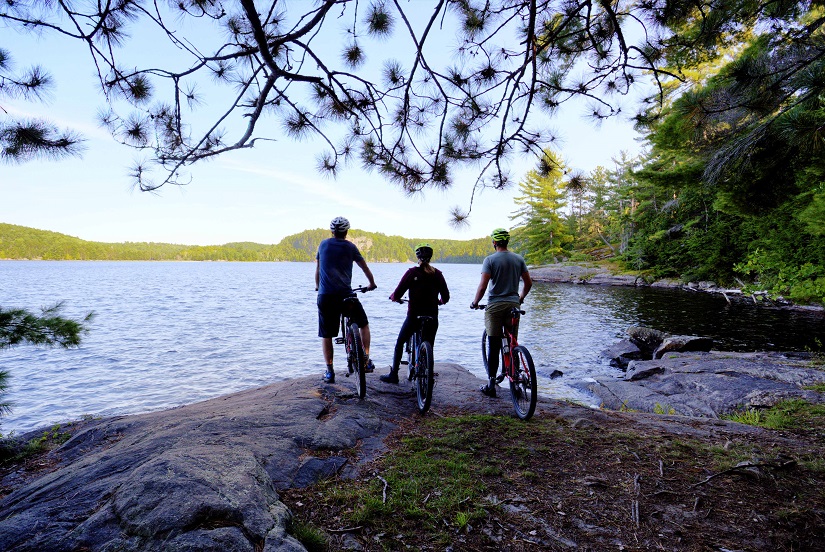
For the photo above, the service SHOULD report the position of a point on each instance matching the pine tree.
(541, 234)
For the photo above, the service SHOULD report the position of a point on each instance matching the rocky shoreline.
(594, 274)
(207, 476)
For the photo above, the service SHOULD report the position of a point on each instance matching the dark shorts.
(330, 308)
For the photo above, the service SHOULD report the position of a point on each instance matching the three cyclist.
(428, 290)
(333, 282)
(502, 271)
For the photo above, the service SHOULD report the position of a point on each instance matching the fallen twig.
(345, 529)
(745, 466)
(384, 492)
(635, 506)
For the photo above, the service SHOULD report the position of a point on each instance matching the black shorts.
(330, 308)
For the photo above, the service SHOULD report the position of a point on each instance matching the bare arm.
(362, 264)
(525, 289)
(482, 287)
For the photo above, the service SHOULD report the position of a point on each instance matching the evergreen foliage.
(541, 234)
(20, 242)
(49, 328)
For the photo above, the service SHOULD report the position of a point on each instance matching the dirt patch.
(556, 485)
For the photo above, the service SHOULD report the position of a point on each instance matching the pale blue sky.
(258, 195)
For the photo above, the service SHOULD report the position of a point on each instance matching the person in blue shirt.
(503, 270)
(333, 282)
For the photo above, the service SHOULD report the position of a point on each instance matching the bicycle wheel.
(425, 376)
(523, 384)
(355, 360)
(485, 350)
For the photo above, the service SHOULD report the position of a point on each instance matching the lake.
(172, 333)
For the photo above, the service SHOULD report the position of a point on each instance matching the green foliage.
(10, 451)
(788, 414)
(664, 409)
(4, 385)
(19, 242)
(19, 326)
(541, 235)
(313, 538)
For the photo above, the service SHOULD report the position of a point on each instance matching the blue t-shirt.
(335, 257)
(505, 269)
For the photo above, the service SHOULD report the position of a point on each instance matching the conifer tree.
(541, 233)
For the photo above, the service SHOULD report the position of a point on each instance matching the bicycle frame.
(420, 362)
(414, 342)
(516, 365)
(351, 338)
(507, 360)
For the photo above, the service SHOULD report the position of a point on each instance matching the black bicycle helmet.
(423, 252)
(339, 224)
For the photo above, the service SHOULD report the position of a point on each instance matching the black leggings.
(407, 329)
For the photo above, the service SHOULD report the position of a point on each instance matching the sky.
(259, 195)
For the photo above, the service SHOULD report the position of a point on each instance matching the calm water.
(168, 334)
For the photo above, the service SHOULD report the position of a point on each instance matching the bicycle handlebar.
(362, 289)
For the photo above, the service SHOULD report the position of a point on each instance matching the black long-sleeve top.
(424, 291)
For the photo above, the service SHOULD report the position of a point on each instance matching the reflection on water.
(173, 333)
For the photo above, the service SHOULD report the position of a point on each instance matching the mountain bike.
(420, 363)
(351, 338)
(517, 366)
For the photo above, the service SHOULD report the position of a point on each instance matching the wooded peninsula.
(21, 242)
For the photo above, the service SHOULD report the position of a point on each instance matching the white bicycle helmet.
(339, 224)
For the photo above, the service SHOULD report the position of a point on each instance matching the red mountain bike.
(517, 366)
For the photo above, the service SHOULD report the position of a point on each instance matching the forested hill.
(20, 242)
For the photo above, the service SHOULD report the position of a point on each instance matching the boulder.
(646, 339)
(709, 384)
(622, 353)
(682, 343)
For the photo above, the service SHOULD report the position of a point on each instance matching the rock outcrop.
(206, 476)
(709, 384)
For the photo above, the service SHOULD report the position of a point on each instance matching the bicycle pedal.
(339, 340)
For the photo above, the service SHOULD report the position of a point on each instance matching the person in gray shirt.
(502, 271)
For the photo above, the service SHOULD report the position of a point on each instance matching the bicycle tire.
(425, 376)
(355, 360)
(523, 384)
(411, 357)
(485, 351)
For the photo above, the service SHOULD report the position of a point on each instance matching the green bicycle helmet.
(500, 235)
(423, 252)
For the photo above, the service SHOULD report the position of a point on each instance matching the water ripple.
(168, 334)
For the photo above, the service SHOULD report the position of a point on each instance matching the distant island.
(21, 243)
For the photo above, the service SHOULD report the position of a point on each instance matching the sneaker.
(392, 377)
(329, 376)
(369, 367)
(489, 390)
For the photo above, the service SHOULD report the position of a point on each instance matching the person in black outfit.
(428, 289)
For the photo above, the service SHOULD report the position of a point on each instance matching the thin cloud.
(313, 186)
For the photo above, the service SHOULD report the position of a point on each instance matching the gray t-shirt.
(505, 269)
